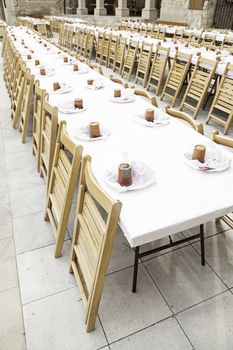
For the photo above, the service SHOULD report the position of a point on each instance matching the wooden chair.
(130, 59)
(228, 142)
(96, 67)
(26, 104)
(93, 240)
(176, 76)
(120, 55)
(158, 68)
(183, 116)
(198, 85)
(105, 51)
(144, 63)
(155, 31)
(178, 34)
(64, 174)
(49, 125)
(227, 43)
(112, 50)
(42, 29)
(18, 93)
(89, 44)
(221, 110)
(161, 33)
(39, 96)
(118, 81)
(145, 94)
(208, 38)
(99, 47)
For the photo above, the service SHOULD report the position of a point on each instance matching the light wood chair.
(158, 68)
(99, 47)
(89, 44)
(112, 50)
(49, 126)
(105, 51)
(228, 142)
(118, 81)
(39, 96)
(130, 59)
(227, 43)
(42, 29)
(84, 43)
(208, 38)
(18, 93)
(221, 110)
(198, 85)
(161, 33)
(64, 174)
(183, 116)
(96, 67)
(178, 34)
(145, 94)
(26, 104)
(176, 76)
(144, 63)
(93, 240)
(120, 55)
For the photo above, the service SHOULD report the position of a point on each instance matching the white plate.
(49, 73)
(97, 84)
(57, 55)
(70, 61)
(67, 107)
(160, 119)
(122, 99)
(82, 133)
(143, 176)
(63, 90)
(215, 160)
(81, 70)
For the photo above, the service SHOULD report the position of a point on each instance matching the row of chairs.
(59, 160)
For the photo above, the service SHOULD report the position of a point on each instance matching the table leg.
(135, 273)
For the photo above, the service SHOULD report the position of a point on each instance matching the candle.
(199, 153)
(90, 81)
(65, 59)
(78, 103)
(56, 86)
(29, 57)
(37, 62)
(94, 129)
(42, 71)
(75, 67)
(124, 174)
(117, 93)
(149, 115)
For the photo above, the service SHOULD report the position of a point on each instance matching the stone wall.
(37, 8)
(177, 10)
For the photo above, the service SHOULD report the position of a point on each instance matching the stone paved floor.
(179, 304)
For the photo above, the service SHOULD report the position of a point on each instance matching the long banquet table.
(182, 197)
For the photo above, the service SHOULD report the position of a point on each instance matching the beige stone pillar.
(122, 10)
(149, 11)
(82, 9)
(100, 10)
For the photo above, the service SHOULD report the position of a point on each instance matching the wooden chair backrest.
(93, 239)
(183, 116)
(18, 93)
(64, 174)
(158, 68)
(145, 94)
(222, 140)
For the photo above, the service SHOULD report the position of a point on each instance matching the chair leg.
(135, 272)
(202, 245)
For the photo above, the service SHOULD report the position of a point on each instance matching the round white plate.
(97, 84)
(82, 133)
(70, 61)
(143, 176)
(122, 99)
(81, 70)
(67, 107)
(160, 119)
(215, 160)
(63, 90)
(49, 73)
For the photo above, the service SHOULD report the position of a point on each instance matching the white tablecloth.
(181, 197)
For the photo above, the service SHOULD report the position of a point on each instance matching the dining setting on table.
(144, 166)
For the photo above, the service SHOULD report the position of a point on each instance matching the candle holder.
(94, 129)
(37, 62)
(90, 81)
(117, 93)
(75, 67)
(125, 174)
(149, 115)
(65, 59)
(43, 72)
(199, 153)
(56, 86)
(78, 103)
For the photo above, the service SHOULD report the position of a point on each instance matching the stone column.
(100, 10)
(81, 10)
(122, 10)
(149, 11)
